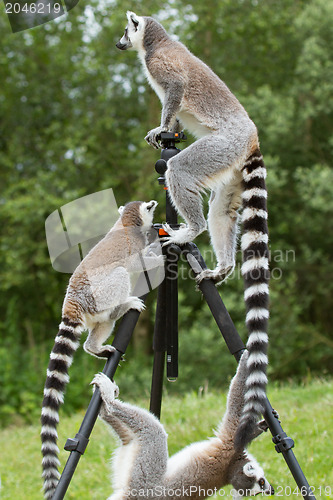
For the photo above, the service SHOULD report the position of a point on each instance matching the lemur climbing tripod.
(165, 343)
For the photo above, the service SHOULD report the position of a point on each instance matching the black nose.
(272, 490)
(121, 46)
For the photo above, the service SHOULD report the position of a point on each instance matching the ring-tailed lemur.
(141, 465)
(225, 159)
(99, 293)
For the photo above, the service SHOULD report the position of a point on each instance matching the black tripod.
(165, 343)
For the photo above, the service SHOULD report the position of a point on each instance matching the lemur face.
(147, 212)
(249, 480)
(132, 38)
(138, 213)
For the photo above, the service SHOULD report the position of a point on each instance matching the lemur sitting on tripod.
(141, 465)
(226, 160)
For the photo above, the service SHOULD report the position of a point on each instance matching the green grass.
(306, 413)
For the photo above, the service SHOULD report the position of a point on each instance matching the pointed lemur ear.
(134, 19)
(249, 470)
(121, 209)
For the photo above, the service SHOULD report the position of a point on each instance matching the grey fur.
(226, 160)
(141, 464)
(99, 293)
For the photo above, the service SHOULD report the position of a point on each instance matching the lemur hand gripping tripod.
(165, 343)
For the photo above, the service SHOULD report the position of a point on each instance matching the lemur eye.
(261, 482)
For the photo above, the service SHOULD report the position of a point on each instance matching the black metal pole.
(171, 278)
(159, 347)
(166, 317)
(283, 443)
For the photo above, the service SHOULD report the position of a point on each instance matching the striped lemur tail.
(255, 271)
(66, 343)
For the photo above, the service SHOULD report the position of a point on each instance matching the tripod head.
(168, 141)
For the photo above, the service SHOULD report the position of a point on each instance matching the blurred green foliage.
(73, 115)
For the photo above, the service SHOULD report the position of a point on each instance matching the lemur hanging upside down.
(226, 160)
(99, 293)
(142, 468)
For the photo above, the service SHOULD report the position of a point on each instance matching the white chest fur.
(193, 125)
(153, 83)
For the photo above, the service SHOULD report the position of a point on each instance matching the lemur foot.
(218, 275)
(137, 304)
(152, 137)
(102, 351)
(263, 426)
(259, 428)
(108, 389)
(179, 236)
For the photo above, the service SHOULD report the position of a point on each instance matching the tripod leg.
(159, 347)
(166, 329)
(283, 444)
(215, 303)
(157, 384)
(171, 278)
(78, 445)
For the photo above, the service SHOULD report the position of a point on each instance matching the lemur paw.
(108, 389)
(263, 426)
(152, 137)
(137, 304)
(179, 236)
(103, 351)
(218, 275)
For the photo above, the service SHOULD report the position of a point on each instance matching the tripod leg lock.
(79, 444)
(282, 442)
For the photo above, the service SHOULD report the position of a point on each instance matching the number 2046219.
(319, 491)
(32, 8)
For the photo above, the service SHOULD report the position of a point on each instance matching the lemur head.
(134, 31)
(141, 33)
(138, 213)
(248, 478)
